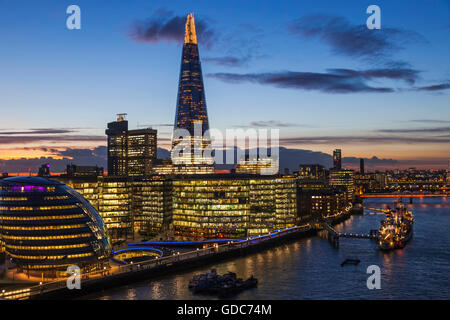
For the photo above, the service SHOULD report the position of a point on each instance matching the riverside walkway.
(118, 275)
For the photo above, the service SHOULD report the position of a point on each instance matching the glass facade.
(45, 225)
(232, 206)
(344, 178)
(128, 205)
(191, 110)
(337, 159)
(152, 205)
(130, 152)
(193, 206)
(320, 203)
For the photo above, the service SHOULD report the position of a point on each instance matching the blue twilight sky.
(310, 68)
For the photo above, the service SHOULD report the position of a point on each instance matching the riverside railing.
(153, 263)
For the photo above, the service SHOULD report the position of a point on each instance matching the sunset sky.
(309, 68)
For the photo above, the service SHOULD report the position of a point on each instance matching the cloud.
(351, 39)
(436, 87)
(267, 124)
(20, 139)
(369, 161)
(95, 156)
(166, 26)
(37, 131)
(385, 139)
(406, 74)
(79, 156)
(237, 44)
(228, 61)
(430, 121)
(333, 81)
(417, 130)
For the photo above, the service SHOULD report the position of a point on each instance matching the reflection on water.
(310, 268)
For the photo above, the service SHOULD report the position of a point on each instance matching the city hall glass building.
(47, 226)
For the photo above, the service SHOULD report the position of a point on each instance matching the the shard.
(191, 114)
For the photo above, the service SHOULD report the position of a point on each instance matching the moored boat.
(397, 229)
(225, 285)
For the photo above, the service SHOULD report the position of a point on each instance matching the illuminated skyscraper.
(130, 152)
(191, 115)
(343, 178)
(337, 156)
(448, 173)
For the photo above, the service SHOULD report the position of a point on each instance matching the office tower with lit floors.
(337, 159)
(191, 115)
(130, 152)
(448, 173)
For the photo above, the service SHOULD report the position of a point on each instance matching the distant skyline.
(312, 70)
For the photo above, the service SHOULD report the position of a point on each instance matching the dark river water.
(310, 268)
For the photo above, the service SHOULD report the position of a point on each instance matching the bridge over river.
(334, 235)
(403, 195)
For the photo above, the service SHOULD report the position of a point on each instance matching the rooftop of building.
(329, 191)
(35, 181)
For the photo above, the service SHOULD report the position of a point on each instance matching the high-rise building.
(337, 159)
(232, 206)
(127, 205)
(117, 146)
(44, 170)
(448, 173)
(141, 151)
(320, 203)
(312, 171)
(361, 166)
(191, 115)
(256, 166)
(83, 171)
(130, 152)
(344, 178)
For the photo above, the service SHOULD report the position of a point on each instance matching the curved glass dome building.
(47, 226)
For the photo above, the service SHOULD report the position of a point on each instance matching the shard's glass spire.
(191, 113)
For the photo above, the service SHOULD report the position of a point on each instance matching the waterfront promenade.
(119, 275)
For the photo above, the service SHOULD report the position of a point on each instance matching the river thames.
(311, 268)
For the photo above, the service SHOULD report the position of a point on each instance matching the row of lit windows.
(72, 206)
(70, 256)
(73, 216)
(68, 246)
(13, 198)
(56, 197)
(68, 236)
(74, 226)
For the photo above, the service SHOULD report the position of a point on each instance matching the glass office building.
(230, 206)
(128, 206)
(47, 226)
(130, 152)
(193, 206)
(337, 159)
